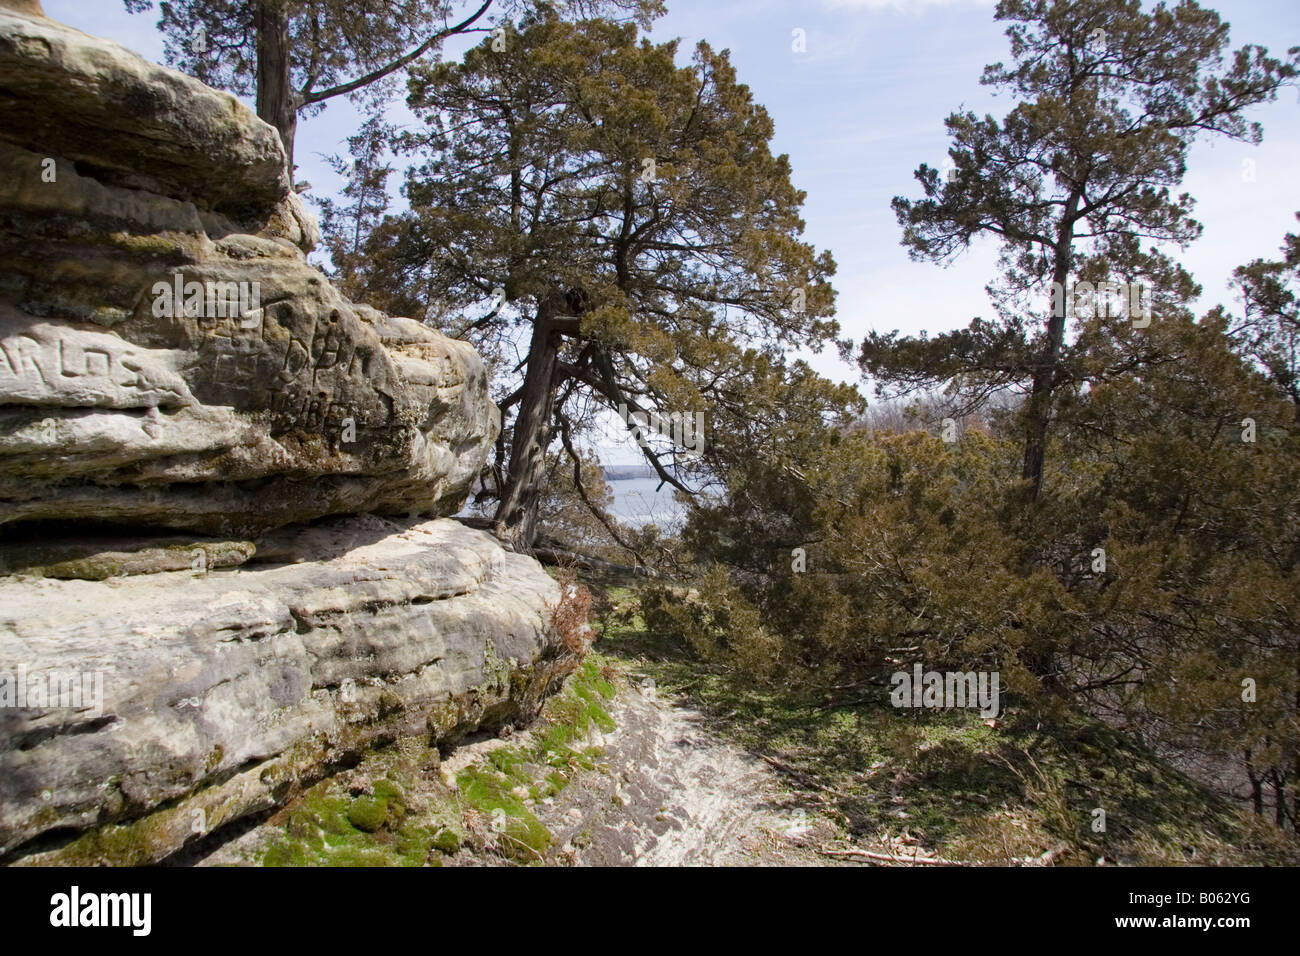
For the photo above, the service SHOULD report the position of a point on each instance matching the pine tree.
(346, 226)
(629, 213)
(1070, 183)
(1270, 328)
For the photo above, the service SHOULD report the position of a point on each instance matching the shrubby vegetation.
(1157, 572)
(1124, 540)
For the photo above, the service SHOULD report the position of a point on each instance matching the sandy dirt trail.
(673, 793)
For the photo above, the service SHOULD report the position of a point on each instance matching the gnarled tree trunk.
(277, 103)
(516, 516)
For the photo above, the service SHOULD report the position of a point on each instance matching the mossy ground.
(398, 807)
(381, 814)
(958, 786)
(502, 790)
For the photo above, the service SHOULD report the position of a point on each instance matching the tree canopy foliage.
(630, 212)
(1071, 184)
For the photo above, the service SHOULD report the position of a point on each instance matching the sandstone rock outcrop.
(215, 583)
(160, 707)
(167, 355)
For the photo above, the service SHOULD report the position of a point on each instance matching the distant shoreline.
(627, 472)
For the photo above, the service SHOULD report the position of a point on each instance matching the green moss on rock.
(368, 814)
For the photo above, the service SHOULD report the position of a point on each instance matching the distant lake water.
(637, 503)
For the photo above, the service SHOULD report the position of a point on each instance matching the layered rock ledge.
(174, 703)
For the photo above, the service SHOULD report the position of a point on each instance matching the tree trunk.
(1289, 798)
(516, 517)
(1039, 409)
(277, 102)
(1044, 379)
(1256, 785)
(1279, 797)
(1042, 663)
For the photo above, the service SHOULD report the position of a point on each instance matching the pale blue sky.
(863, 106)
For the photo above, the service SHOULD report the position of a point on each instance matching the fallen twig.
(889, 858)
